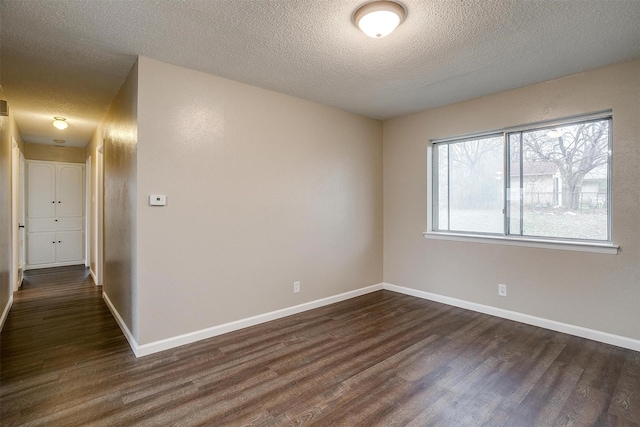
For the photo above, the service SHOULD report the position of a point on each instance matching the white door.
(41, 248)
(69, 194)
(21, 214)
(69, 246)
(17, 219)
(55, 214)
(41, 197)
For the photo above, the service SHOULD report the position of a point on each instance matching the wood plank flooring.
(383, 359)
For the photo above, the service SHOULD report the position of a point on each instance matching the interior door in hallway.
(17, 215)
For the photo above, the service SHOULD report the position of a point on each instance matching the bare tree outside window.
(563, 174)
(575, 150)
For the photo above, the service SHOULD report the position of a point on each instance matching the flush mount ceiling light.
(59, 141)
(60, 123)
(379, 18)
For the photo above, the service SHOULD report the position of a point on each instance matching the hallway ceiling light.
(379, 18)
(59, 141)
(60, 123)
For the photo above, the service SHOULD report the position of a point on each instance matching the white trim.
(87, 212)
(50, 265)
(123, 326)
(5, 312)
(579, 331)
(168, 343)
(603, 248)
(93, 276)
(430, 184)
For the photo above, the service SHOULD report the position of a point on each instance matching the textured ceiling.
(69, 57)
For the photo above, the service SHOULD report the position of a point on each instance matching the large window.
(551, 182)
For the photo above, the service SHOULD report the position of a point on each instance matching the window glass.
(564, 181)
(472, 175)
(551, 182)
(443, 186)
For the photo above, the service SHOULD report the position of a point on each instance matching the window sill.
(603, 248)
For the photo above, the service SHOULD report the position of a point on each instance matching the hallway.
(56, 335)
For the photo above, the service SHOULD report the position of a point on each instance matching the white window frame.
(607, 247)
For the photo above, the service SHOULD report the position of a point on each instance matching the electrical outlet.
(296, 287)
(502, 290)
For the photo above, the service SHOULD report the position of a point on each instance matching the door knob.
(20, 226)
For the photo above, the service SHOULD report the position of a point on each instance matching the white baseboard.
(123, 326)
(93, 276)
(5, 312)
(57, 264)
(172, 342)
(566, 328)
(168, 343)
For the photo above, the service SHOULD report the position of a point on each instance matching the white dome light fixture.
(379, 18)
(60, 123)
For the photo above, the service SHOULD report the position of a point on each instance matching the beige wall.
(54, 153)
(262, 190)
(596, 291)
(119, 133)
(5, 212)
(8, 129)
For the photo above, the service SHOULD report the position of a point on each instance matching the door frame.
(97, 218)
(87, 212)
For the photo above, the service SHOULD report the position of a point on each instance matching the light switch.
(157, 200)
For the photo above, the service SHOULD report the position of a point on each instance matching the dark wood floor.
(380, 359)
